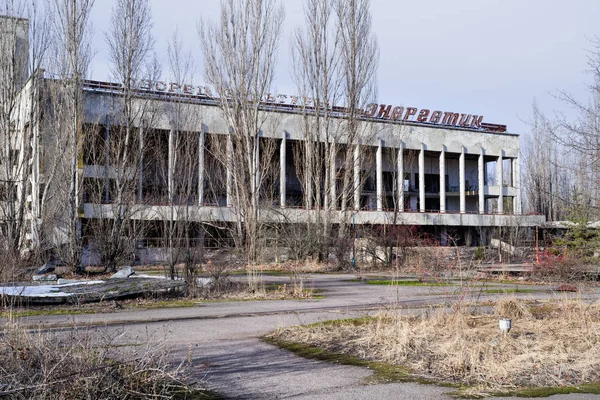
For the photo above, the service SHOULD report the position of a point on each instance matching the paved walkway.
(223, 340)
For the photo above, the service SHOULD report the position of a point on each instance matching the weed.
(82, 364)
(403, 283)
(544, 351)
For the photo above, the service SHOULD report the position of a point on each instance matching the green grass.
(403, 282)
(149, 305)
(592, 388)
(184, 303)
(198, 394)
(346, 321)
(382, 372)
(502, 291)
(37, 313)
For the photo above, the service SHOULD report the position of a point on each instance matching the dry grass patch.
(556, 346)
(82, 364)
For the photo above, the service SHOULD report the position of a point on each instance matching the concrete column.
(34, 221)
(499, 179)
(379, 174)
(282, 170)
(201, 145)
(106, 159)
(462, 185)
(516, 170)
(308, 183)
(256, 182)
(35, 176)
(481, 181)
(400, 178)
(422, 178)
(443, 179)
(333, 176)
(140, 193)
(444, 236)
(356, 182)
(229, 171)
(171, 165)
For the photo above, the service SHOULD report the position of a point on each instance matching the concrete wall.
(393, 134)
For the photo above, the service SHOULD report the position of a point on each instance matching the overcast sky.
(484, 57)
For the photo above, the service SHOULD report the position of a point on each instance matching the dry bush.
(510, 307)
(12, 268)
(556, 348)
(80, 365)
(561, 271)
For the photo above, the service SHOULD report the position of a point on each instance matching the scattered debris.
(47, 277)
(205, 281)
(566, 288)
(90, 291)
(124, 272)
(46, 268)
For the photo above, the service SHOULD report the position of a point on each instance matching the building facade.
(410, 172)
(173, 159)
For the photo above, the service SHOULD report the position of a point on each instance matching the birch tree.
(543, 177)
(580, 139)
(239, 56)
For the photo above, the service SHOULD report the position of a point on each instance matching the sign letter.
(476, 122)
(464, 119)
(145, 84)
(370, 110)
(410, 111)
(397, 113)
(188, 89)
(450, 118)
(436, 116)
(384, 111)
(423, 114)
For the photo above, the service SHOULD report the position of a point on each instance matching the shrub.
(79, 365)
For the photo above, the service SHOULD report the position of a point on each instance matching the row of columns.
(442, 168)
(357, 171)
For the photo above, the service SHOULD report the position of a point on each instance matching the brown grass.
(557, 345)
(84, 365)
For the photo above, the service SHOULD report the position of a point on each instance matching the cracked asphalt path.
(222, 340)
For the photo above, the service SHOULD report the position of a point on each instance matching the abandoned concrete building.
(430, 169)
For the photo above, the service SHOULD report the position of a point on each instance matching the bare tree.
(544, 177)
(23, 45)
(239, 55)
(14, 39)
(562, 158)
(316, 62)
(130, 45)
(335, 59)
(360, 59)
(72, 53)
(359, 53)
(184, 235)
